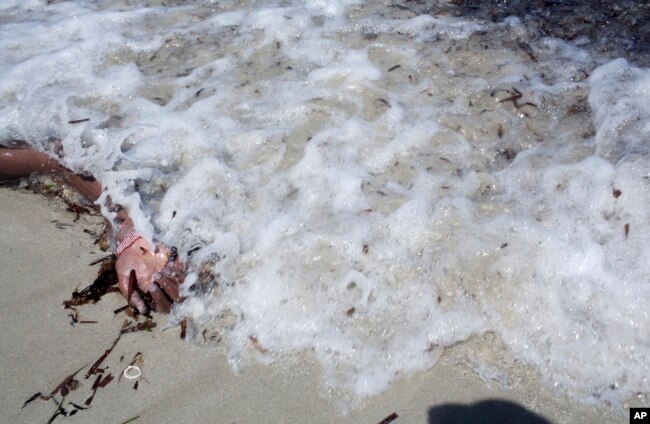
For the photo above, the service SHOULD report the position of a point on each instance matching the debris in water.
(256, 344)
(212, 337)
(384, 101)
(515, 99)
(527, 49)
(183, 329)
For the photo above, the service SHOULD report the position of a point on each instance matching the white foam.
(619, 98)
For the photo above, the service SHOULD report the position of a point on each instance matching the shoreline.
(42, 264)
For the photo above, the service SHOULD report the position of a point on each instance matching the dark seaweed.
(67, 385)
(102, 379)
(183, 329)
(389, 419)
(88, 401)
(615, 28)
(104, 283)
(514, 98)
(95, 367)
(35, 396)
(132, 327)
(123, 308)
(106, 380)
(56, 190)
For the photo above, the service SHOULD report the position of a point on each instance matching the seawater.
(359, 181)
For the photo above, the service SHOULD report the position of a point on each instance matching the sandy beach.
(43, 263)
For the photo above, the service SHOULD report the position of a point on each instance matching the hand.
(141, 270)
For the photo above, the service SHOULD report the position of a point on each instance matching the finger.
(162, 253)
(162, 303)
(175, 267)
(175, 276)
(139, 304)
(132, 295)
(145, 278)
(179, 265)
(161, 248)
(125, 282)
(170, 287)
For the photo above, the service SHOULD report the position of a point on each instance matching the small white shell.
(132, 372)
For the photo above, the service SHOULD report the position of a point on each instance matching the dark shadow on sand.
(485, 412)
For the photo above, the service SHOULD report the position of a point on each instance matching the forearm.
(88, 186)
(18, 163)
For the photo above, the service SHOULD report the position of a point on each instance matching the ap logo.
(639, 415)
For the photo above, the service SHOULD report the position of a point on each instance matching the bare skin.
(142, 267)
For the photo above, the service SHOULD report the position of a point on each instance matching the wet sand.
(182, 382)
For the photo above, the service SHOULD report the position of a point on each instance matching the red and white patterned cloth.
(127, 241)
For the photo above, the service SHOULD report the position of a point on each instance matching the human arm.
(19, 163)
(142, 267)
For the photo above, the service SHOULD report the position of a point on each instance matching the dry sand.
(181, 382)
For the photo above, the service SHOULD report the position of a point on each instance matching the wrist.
(122, 224)
(123, 232)
(126, 242)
